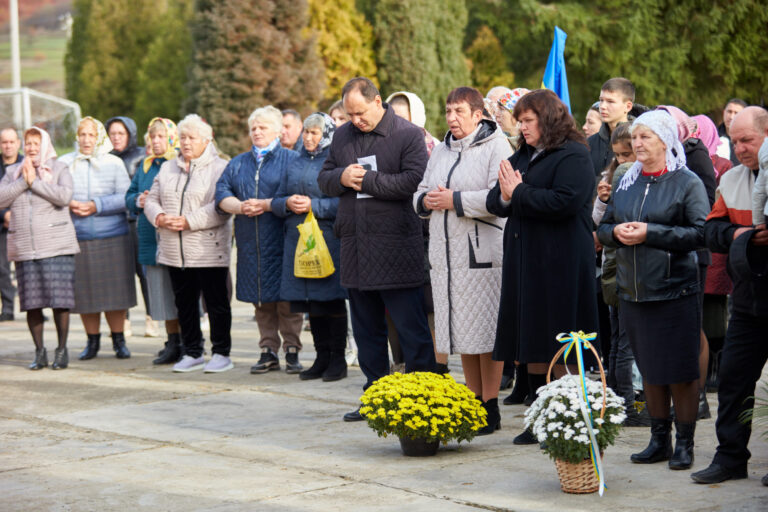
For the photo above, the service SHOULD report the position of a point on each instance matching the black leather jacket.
(664, 267)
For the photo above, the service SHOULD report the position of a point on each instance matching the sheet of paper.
(369, 162)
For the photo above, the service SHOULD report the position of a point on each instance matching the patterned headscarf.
(173, 142)
(708, 133)
(329, 128)
(40, 163)
(103, 144)
(510, 99)
(665, 127)
(686, 126)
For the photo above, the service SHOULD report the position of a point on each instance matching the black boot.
(493, 418)
(41, 359)
(337, 363)
(118, 343)
(682, 458)
(535, 381)
(61, 359)
(703, 413)
(91, 348)
(171, 354)
(660, 446)
(520, 390)
(442, 369)
(320, 329)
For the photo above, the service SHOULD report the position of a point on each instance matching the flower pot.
(418, 447)
(577, 478)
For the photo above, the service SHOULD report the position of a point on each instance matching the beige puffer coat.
(40, 226)
(466, 243)
(191, 194)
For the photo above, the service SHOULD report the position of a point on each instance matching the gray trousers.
(7, 290)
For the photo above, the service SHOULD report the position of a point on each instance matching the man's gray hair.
(268, 114)
(193, 123)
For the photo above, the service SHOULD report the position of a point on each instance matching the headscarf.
(415, 107)
(47, 152)
(170, 149)
(665, 127)
(103, 144)
(130, 127)
(510, 99)
(708, 133)
(686, 126)
(329, 128)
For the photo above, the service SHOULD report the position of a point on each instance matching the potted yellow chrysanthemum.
(423, 409)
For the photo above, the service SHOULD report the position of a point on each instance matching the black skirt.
(664, 336)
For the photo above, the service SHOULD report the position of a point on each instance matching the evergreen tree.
(488, 64)
(418, 49)
(78, 42)
(248, 54)
(162, 76)
(344, 42)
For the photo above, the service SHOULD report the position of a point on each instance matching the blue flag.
(554, 76)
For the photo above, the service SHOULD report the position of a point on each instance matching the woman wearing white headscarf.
(41, 240)
(104, 268)
(656, 221)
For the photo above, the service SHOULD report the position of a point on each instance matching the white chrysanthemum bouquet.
(557, 420)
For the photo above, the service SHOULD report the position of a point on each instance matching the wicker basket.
(577, 478)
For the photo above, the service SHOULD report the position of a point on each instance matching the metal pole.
(15, 62)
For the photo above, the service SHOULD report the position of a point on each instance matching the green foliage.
(162, 76)
(487, 62)
(344, 42)
(687, 53)
(73, 59)
(247, 54)
(418, 49)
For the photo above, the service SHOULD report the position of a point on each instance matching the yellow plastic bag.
(313, 259)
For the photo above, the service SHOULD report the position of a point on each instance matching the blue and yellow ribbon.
(580, 342)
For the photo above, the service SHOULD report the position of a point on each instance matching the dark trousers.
(621, 359)
(744, 354)
(406, 307)
(7, 290)
(138, 266)
(187, 284)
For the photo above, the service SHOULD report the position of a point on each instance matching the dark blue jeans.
(745, 352)
(621, 359)
(406, 308)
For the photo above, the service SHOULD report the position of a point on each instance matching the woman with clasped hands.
(194, 243)
(656, 221)
(548, 282)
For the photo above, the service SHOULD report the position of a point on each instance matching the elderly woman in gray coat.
(194, 243)
(41, 240)
(466, 249)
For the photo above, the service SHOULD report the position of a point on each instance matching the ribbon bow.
(580, 342)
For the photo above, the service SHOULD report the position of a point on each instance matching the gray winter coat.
(465, 244)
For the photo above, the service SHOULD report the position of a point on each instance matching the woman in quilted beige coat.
(465, 249)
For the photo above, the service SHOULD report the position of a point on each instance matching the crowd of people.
(485, 243)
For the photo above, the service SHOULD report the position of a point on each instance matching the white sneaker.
(189, 364)
(127, 332)
(218, 364)
(150, 328)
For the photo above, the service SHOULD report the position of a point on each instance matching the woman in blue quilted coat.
(246, 188)
(323, 298)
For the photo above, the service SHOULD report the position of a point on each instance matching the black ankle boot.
(682, 458)
(337, 366)
(172, 352)
(91, 348)
(660, 446)
(322, 359)
(41, 359)
(60, 359)
(703, 413)
(118, 343)
(493, 418)
(521, 389)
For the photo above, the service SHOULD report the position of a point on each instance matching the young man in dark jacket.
(616, 98)
(375, 165)
(728, 230)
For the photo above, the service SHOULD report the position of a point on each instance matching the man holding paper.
(375, 165)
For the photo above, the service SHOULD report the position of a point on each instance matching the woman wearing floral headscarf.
(162, 142)
(323, 298)
(656, 222)
(105, 266)
(41, 240)
(503, 114)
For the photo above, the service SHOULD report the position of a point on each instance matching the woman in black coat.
(548, 282)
